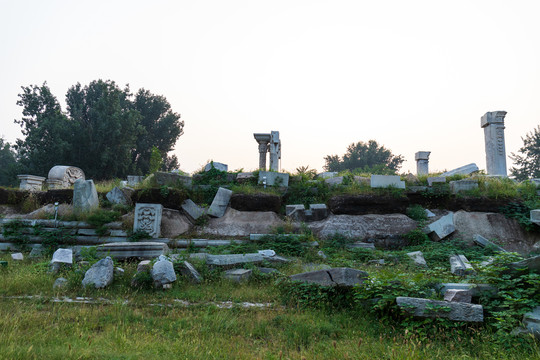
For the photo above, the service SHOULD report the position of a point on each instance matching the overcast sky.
(413, 75)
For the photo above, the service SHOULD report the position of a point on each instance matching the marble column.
(422, 162)
(493, 124)
(275, 151)
(263, 140)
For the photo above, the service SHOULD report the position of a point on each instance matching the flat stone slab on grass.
(237, 275)
(462, 170)
(483, 242)
(64, 256)
(126, 250)
(441, 228)
(192, 210)
(531, 321)
(346, 277)
(384, 181)
(189, 271)
(455, 295)
(418, 258)
(454, 311)
(475, 289)
(220, 203)
(273, 178)
(100, 275)
(233, 259)
(17, 256)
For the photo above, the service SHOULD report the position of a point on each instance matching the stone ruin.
(269, 143)
(493, 125)
(62, 176)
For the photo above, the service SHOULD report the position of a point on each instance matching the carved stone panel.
(148, 218)
(62, 176)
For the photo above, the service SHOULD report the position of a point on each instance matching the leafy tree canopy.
(365, 157)
(106, 131)
(8, 164)
(527, 162)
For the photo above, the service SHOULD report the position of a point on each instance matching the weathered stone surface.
(316, 212)
(243, 223)
(244, 177)
(233, 259)
(455, 295)
(422, 162)
(429, 213)
(265, 270)
(321, 254)
(450, 310)
(85, 197)
(61, 176)
(217, 166)
(134, 180)
(361, 245)
(237, 275)
(17, 256)
(367, 204)
(220, 203)
(531, 322)
(64, 256)
(334, 181)
(483, 242)
(535, 216)
(163, 272)
(100, 274)
(508, 232)
(36, 251)
(148, 218)
(267, 253)
(460, 265)
(384, 181)
(129, 250)
(436, 179)
(144, 266)
(256, 202)
(441, 228)
(418, 258)
(173, 223)
(463, 185)
(272, 178)
(493, 124)
(475, 289)
(363, 226)
(60, 283)
(192, 210)
(327, 174)
(118, 271)
(31, 182)
(164, 178)
(189, 271)
(311, 267)
(346, 277)
(120, 196)
(462, 170)
(530, 264)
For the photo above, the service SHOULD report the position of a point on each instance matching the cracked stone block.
(332, 277)
(460, 266)
(455, 311)
(441, 228)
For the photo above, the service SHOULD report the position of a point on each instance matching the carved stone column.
(263, 140)
(275, 151)
(493, 124)
(422, 162)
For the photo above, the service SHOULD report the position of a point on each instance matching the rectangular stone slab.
(220, 202)
(384, 181)
(455, 311)
(126, 250)
(483, 242)
(233, 259)
(148, 218)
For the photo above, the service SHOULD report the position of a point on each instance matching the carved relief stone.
(148, 219)
(62, 176)
(493, 125)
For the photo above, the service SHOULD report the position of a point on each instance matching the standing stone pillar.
(263, 140)
(422, 162)
(493, 124)
(275, 151)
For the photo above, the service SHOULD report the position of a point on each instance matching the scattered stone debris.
(483, 242)
(17, 256)
(455, 295)
(418, 258)
(163, 272)
(441, 228)
(189, 271)
(238, 275)
(455, 311)
(346, 277)
(100, 275)
(459, 265)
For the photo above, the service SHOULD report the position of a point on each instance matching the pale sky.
(413, 75)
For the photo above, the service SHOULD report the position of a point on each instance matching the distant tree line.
(106, 131)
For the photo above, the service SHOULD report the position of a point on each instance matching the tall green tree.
(527, 162)
(8, 164)
(161, 129)
(366, 157)
(47, 131)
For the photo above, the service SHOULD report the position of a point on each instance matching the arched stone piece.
(62, 176)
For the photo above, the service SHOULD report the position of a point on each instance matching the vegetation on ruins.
(527, 161)
(106, 130)
(365, 157)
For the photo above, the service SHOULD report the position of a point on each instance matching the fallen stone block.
(272, 178)
(455, 295)
(436, 179)
(429, 213)
(189, 271)
(233, 259)
(463, 185)
(441, 228)
(475, 289)
(460, 266)
(462, 170)
(100, 275)
(148, 218)
(384, 181)
(36, 251)
(535, 216)
(220, 203)
(128, 250)
(164, 178)
(144, 266)
(120, 196)
(244, 177)
(85, 197)
(361, 245)
(418, 258)
(163, 272)
(483, 242)
(265, 270)
(530, 264)
(334, 181)
(63, 256)
(17, 256)
(237, 275)
(192, 210)
(531, 322)
(60, 283)
(216, 165)
(454, 311)
(318, 212)
(345, 277)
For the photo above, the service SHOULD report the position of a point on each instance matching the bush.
(417, 212)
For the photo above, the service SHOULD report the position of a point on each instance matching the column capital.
(492, 117)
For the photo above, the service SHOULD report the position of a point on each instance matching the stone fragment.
(361, 245)
(422, 162)
(189, 271)
(143, 266)
(334, 181)
(85, 197)
(100, 275)
(148, 219)
(233, 259)
(463, 185)
(436, 179)
(237, 275)
(36, 251)
(327, 174)
(172, 179)
(418, 258)
(265, 270)
(321, 254)
(192, 210)
(410, 178)
(483, 242)
(60, 283)
(441, 228)
(493, 124)
(530, 264)
(475, 289)
(345, 277)
(377, 262)
(217, 166)
(120, 196)
(129, 250)
(384, 181)
(459, 265)
(531, 322)
(463, 170)
(429, 213)
(455, 311)
(455, 295)
(267, 253)
(63, 256)
(134, 180)
(535, 216)
(118, 271)
(271, 178)
(174, 223)
(220, 203)
(17, 256)
(243, 223)
(62, 177)
(318, 212)
(244, 177)
(31, 182)
(290, 209)
(163, 272)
